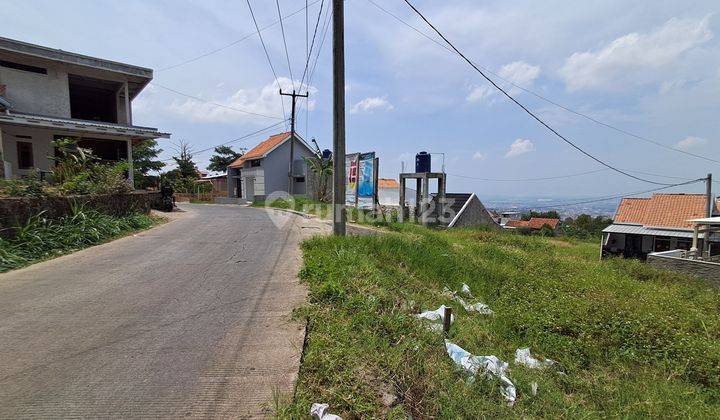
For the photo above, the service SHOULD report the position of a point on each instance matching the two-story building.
(265, 169)
(46, 94)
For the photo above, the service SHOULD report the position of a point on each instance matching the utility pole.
(338, 118)
(292, 135)
(708, 187)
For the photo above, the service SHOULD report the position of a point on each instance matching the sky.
(651, 68)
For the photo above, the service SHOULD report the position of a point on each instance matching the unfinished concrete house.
(46, 94)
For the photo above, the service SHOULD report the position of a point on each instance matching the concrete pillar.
(401, 215)
(230, 182)
(131, 175)
(128, 108)
(425, 199)
(2, 156)
(418, 198)
(696, 232)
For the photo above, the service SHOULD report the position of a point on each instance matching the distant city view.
(567, 207)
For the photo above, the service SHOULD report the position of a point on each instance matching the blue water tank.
(326, 154)
(422, 162)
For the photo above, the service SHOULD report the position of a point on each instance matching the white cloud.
(518, 73)
(372, 103)
(520, 147)
(478, 156)
(632, 56)
(669, 86)
(263, 101)
(690, 142)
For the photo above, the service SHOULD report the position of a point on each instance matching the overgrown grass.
(631, 341)
(324, 211)
(42, 238)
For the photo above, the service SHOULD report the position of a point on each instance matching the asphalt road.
(189, 319)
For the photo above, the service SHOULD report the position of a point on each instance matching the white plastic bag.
(474, 307)
(319, 412)
(489, 366)
(523, 357)
(436, 317)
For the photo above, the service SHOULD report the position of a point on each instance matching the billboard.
(366, 181)
(351, 176)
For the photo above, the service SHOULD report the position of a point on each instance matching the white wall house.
(47, 94)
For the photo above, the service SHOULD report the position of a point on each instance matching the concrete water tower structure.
(424, 213)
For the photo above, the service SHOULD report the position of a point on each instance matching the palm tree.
(323, 169)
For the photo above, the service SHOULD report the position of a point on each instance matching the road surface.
(189, 319)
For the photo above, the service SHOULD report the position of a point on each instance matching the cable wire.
(287, 55)
(539, 96)
(524, 108)
(213, 103)
(254, 133)
(597, 200)
(237, 41)
(312, 44)
(267, 55)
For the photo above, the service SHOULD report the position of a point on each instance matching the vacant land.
(630, 341)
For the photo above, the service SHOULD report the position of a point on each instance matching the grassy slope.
(42, 239)
(633, 341)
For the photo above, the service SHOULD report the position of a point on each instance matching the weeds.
(41, 238)
(632, 341)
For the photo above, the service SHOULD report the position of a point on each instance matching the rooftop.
(662, 210)
(261, 149)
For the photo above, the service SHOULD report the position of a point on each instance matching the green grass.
(41, 239)
(324, 211)
(631, 341)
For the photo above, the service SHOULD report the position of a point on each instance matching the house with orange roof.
(265, 169)
(535, 223)
(660, 223)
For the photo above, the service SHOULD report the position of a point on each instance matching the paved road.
(190, 319)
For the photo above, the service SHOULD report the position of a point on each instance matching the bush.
(41, 238)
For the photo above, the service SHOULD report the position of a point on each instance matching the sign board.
(366, 183)
(361, 185)
(351, 176)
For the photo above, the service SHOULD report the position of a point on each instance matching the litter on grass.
(523, 357)
(319, 412)
(436, 317)
(488, 366)
(470, 307)
(474, 307)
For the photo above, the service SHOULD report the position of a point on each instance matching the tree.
(185, 165)
(224, 156)
(552, 214)
(322, 170)
(145, 160)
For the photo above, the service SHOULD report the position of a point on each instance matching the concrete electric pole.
(292, 135)
(339, 217)
(708, 188)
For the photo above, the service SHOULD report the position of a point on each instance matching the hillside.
(629, 341)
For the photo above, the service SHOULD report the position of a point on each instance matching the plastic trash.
(523, 357)
(488, 366)
(437, 317)
(319, 412)
(534, 388)
(465, 289)
(474, 307)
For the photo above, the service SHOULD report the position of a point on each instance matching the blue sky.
(649, 67)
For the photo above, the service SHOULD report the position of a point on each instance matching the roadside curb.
(352, 228)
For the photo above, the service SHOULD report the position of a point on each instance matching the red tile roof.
(388, 183)
(260, 150)
(533, 223)
(662, 210)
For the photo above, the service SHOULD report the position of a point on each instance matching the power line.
(597, 200)
(213, 103)
(324, 30)
(524, 108)
(282, 29)
(254, 133)
(312, 45)
(550, 101)
(528, 179)
(237, 41)
(267, 55)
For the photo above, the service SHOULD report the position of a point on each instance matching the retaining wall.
(709, 271)
(16, 211)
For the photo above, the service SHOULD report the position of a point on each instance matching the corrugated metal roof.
(81, 125)
(641, 230)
